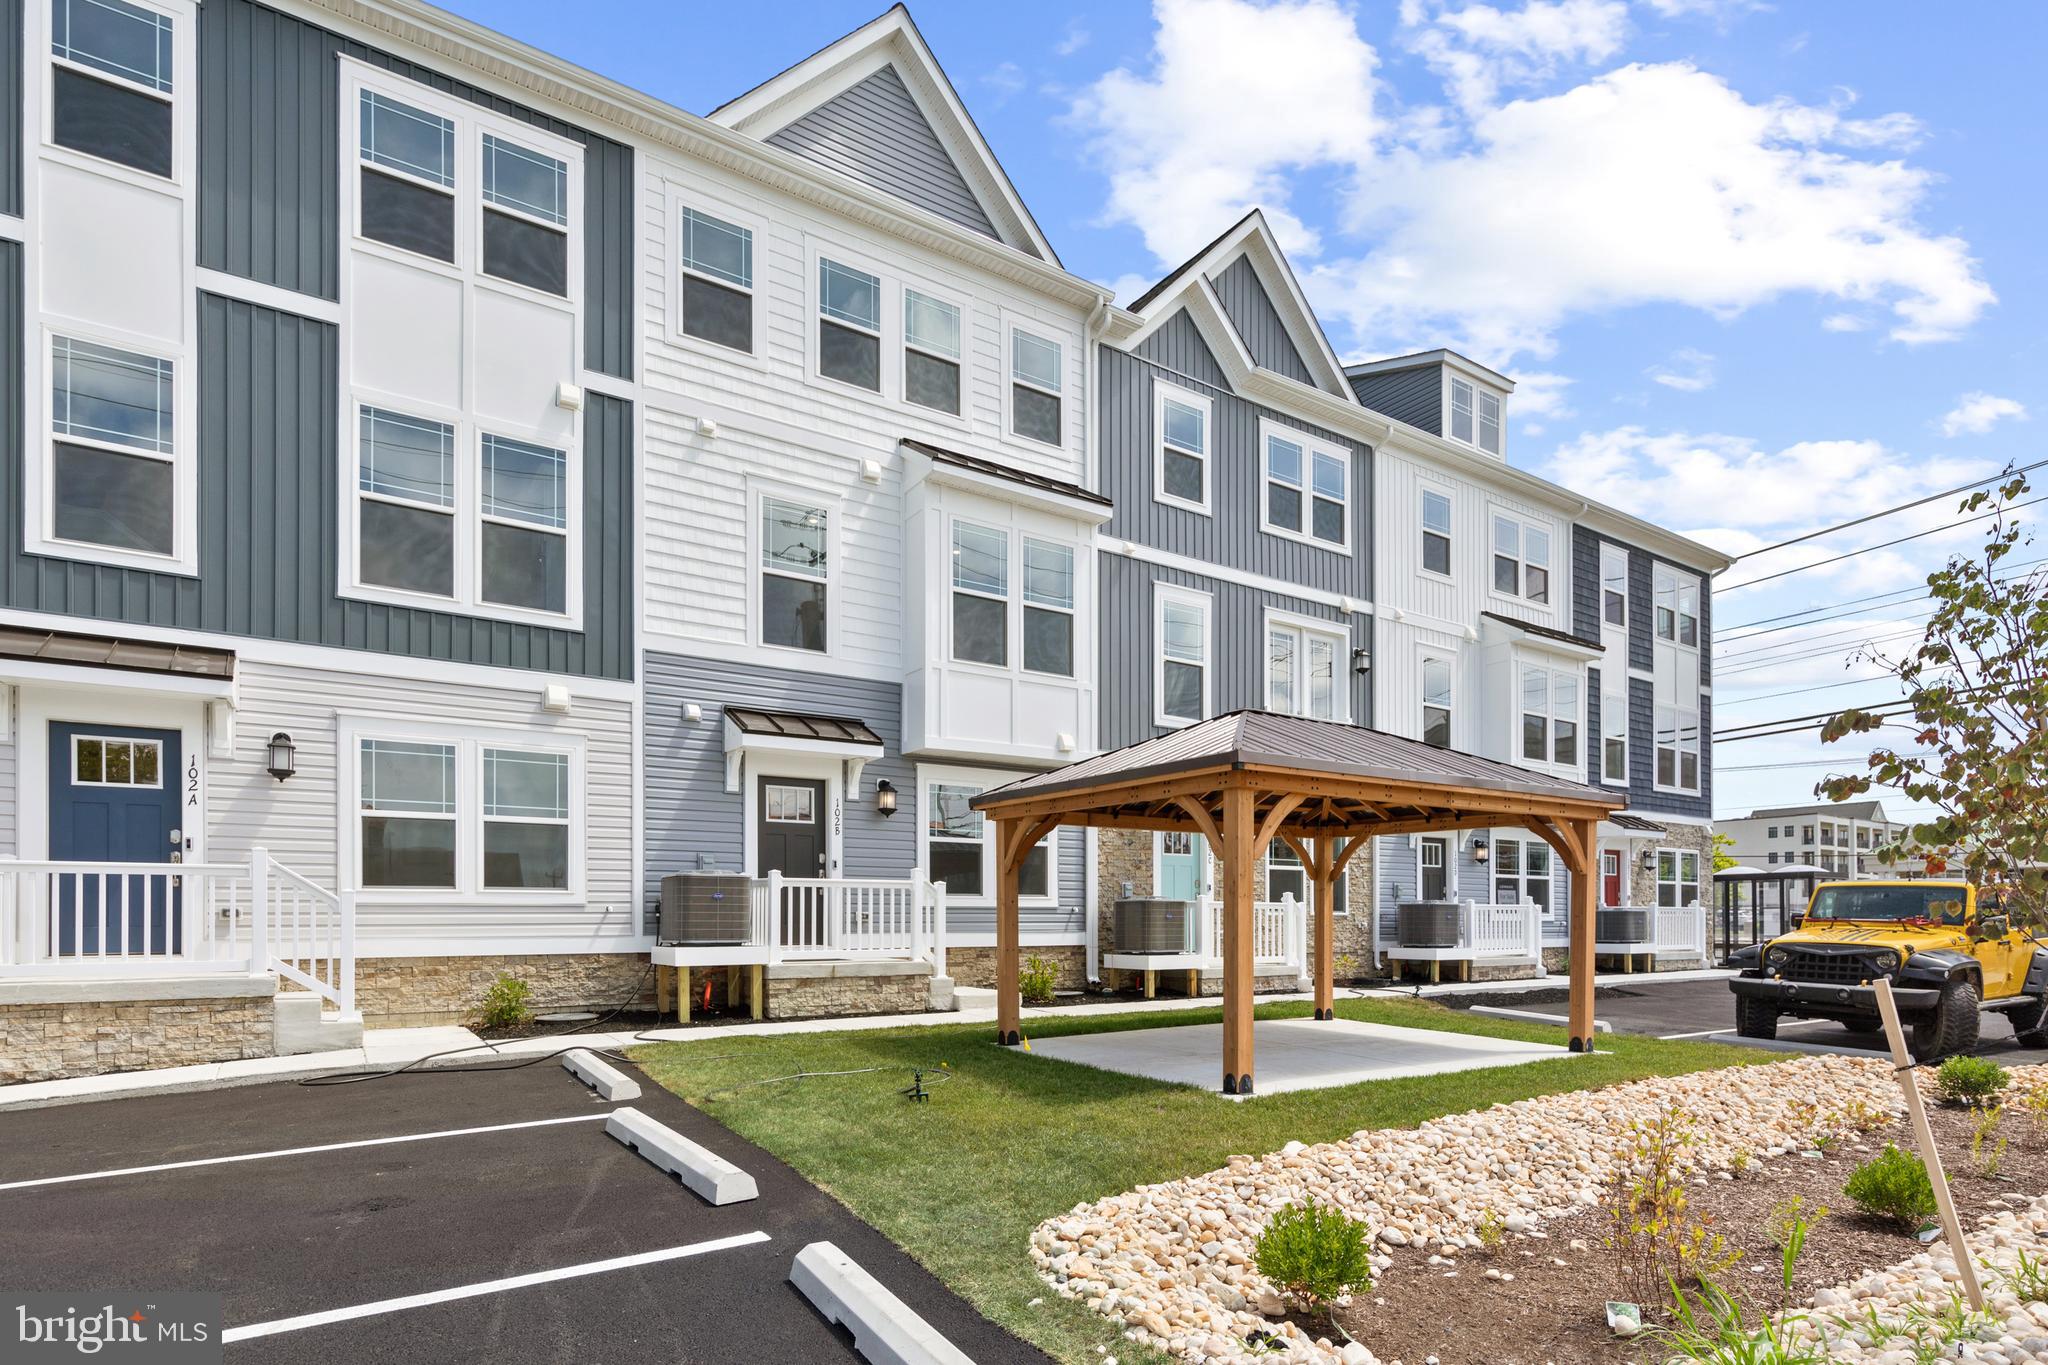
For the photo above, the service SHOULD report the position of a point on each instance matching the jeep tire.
(1755, 1018)
(1952, 1029)
(2028, 1023)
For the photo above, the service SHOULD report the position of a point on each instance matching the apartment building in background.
(1841, 838)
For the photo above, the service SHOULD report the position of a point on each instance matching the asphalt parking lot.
(308, 1248)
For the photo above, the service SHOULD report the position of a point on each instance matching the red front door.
(1610, 876)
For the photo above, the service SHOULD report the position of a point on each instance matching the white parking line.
(471, 1291)
(298, 1151)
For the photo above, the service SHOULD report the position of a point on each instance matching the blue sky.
(1758, 268)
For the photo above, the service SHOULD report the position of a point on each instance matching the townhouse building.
(1841, 838)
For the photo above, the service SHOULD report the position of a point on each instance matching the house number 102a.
(192, 782)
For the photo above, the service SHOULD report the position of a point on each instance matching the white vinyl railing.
(1279, 931)
(1681, 930)
(101, 920)
(1498, 933)
(836, 917)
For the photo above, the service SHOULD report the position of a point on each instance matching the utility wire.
(1722, 704)
(1881, 545)
(1907, 594)
(1809, 654)
(1812, 640)
(1806, 763)
(1891, 511)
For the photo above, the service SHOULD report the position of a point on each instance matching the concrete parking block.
(703, 1170)
(607, 1080)
(885, 1331)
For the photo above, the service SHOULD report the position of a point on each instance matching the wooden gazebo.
(1244, 779)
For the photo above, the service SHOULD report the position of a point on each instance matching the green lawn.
(1013, 1139)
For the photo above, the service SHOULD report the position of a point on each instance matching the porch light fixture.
(281, 756)
(1649, 856)
(1361, 660)
(1480, 852)
(885, 797)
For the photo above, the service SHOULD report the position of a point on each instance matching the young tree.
(1976, 706)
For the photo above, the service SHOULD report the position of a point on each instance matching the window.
(407, 197)
(793, 574)
(1489, 422)
(1614, 737)
(718, 281)
(1678, 876)
(408, 820)
(1307, 488)
(525, 525)
(405, 499)
(1678, 607)
(1827, 836)
(1678, 751)
(1550, 716)
(981, 595)
(1475, 416)
(959, 853)
(1285, 874)
(1436, 532)
(113, 448)
(526, 216)
(1180, 470)
(110, 83)
(1521, 872)
(1771, 833)
(1436, 702)
(97, 761)
(1613, 585)
(1773, 856)
(931, 352)
(1048, 607)
(849, 325)
(1182, 637)
(1521, 559)
(1806, 835)
(1035, 374)
(1462, 395)
(526, 819)
(787, 805)
(1301, 671)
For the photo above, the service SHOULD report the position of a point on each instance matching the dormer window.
(1475, 416)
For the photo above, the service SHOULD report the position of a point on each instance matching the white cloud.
(1976, 413)
(1844, 322)
(1479, 49)
(1719, 11)
(1688, 371)
(1006, 79)
(1073, 40)
(1129, 287)
(1541, 394)
(1489, 228)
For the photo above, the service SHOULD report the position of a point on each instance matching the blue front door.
(114, 799)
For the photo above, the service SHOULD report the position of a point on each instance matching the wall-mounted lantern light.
(1649, 857)
(281, 756)
(1361, 660)
(1480, 852)
(885, 797)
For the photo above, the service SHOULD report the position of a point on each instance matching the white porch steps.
(300, 1025)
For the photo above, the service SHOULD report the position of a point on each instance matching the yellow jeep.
(1947, 957)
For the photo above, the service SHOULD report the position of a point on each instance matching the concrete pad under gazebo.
(1324, 788)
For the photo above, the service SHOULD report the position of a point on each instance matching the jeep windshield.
(1939, 904)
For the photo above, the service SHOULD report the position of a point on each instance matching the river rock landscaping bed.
(1173, 1261)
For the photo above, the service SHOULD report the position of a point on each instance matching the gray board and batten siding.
(11, 113)
(875, 132)
(1257, 321)
(268, 518)
(1414, 395)
(269, 206)
(691, 818)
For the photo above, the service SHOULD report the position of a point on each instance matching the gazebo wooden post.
(1008, 1003)
(1238, 813)
(1584, 836)
(1324, 868)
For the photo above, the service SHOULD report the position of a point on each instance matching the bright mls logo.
(168, 1329)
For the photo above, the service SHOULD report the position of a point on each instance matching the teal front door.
(1180, 866)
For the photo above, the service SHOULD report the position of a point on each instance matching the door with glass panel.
(1301, 672)
(114, 799)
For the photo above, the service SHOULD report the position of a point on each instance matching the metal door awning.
(757, 730)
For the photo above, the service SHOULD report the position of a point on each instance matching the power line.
(1881, 545)
(1854, 605)
(1810, 654)
(1720, 704)
(1807, 763)
(1813, 640)
(1892, 511)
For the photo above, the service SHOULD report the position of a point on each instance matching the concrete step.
(973, 998)
(299, 1024)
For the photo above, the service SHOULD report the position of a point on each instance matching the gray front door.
(1435, 874)
(791, 816)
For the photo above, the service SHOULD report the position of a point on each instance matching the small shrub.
(1739, 1163)
(1035, 979)
(1656, 1238)
(1987, 1144)
(1893, 1185)
(1492, 1230)
(1789, 1221)
(2033, 1102)
(1970, 1080)
(1314, 1256)
(507, 1004)
(1861, 1115)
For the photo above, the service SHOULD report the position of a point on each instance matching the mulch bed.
(1555, 1313)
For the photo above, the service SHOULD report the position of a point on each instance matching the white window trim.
(1161, 391)
(1424, 657)
(988, 779)
(1678, 748)
(1424, 490)
(1311, 446)
(1626, 756)
(1012, 326)
(1553, 581)
(1340, 656)
(469, 743)
(1577, 716)
(1451, 379)
(1072, 611)
(1610, 550)
(74, 780)
(1677, 857)
(888, 317)
(1547, 908)
(965, 360)
(759, 491)
(1013, 588)
(37, 56)
(1163, 593)
(725, 212)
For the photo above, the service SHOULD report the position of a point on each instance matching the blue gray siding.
(1257, 322)
(1177, 348)
(689, 812)
(874, 132)
(1399, 869)
(10, 106)
(1237, 643)
(1414, 396)
(269, 519)
(269, 166)
(1230, 536)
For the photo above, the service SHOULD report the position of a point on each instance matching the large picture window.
(794, 574)
(111, 78)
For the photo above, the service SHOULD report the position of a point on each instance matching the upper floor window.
(1308, 488)
(1806, 835)
(1436, 532)
(1048, 607)
(1437, 693)
(1035, 384)
(405, 503)
(1613, 585)
(525, 525)
(931, 352)
(981, 594)
(849, 325)
(407, 198)
(794, 577)
(1181, 634)
(718, 281)
(1678, 606)
(1521, 559)
(1771, 832)
(110, 83)
(1614, 737)
(113, 449)
(1678, 751)
(1475, 416)
(526, 216)
(1180, 457)
(1301, 671)
(1550, 716)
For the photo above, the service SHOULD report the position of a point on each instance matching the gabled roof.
(1442, 355)
(1193, 283)
(1842, 810)
(809, 109)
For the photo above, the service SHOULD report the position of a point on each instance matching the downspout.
(1090, 847)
